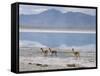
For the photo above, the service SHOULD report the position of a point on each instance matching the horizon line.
(55, 31)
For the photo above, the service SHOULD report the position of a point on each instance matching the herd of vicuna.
(54, 52)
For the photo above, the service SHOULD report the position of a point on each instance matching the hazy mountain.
(53, 18)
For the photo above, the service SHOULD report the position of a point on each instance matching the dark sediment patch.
(37, 64)
(71, 65)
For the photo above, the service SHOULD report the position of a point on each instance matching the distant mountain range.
(53, 18)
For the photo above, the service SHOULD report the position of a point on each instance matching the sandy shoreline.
(31, 59)
(42, 63)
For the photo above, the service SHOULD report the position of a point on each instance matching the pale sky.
(33, 9)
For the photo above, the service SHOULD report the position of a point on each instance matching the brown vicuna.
(45, 52)
(53, 52)
(76, 53)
